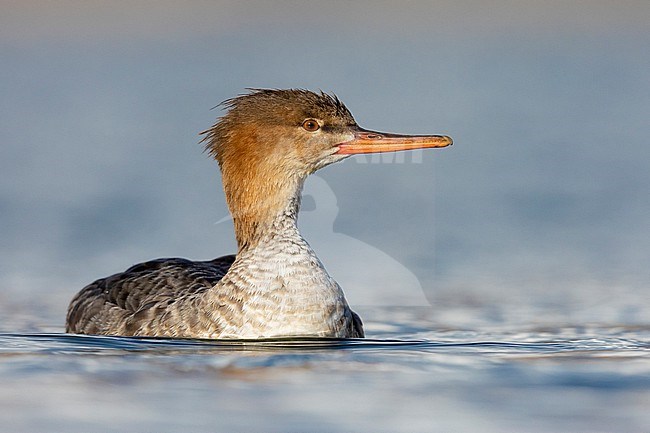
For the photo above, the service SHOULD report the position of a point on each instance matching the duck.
(266, 144)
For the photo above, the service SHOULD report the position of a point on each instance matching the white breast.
(279, 288)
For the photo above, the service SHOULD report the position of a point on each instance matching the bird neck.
(263, 205)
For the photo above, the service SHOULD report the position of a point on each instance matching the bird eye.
(311, 125)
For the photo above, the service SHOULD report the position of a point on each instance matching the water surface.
(411, 375)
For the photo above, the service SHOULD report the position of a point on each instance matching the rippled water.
(413, 374)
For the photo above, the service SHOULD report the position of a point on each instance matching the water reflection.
(445, 377)
(459, 342)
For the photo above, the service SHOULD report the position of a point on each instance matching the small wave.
(16, 343)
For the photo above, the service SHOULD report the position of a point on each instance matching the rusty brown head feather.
(274, 108)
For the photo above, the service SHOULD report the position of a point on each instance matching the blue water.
(411, 375)
(529, 237)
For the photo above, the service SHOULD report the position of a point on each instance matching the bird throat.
(260, 203)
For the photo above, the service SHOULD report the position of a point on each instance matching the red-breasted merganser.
(266, 145)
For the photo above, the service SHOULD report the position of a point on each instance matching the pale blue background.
(542, 201)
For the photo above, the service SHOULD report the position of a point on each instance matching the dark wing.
(357, 326)
(104, 306)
